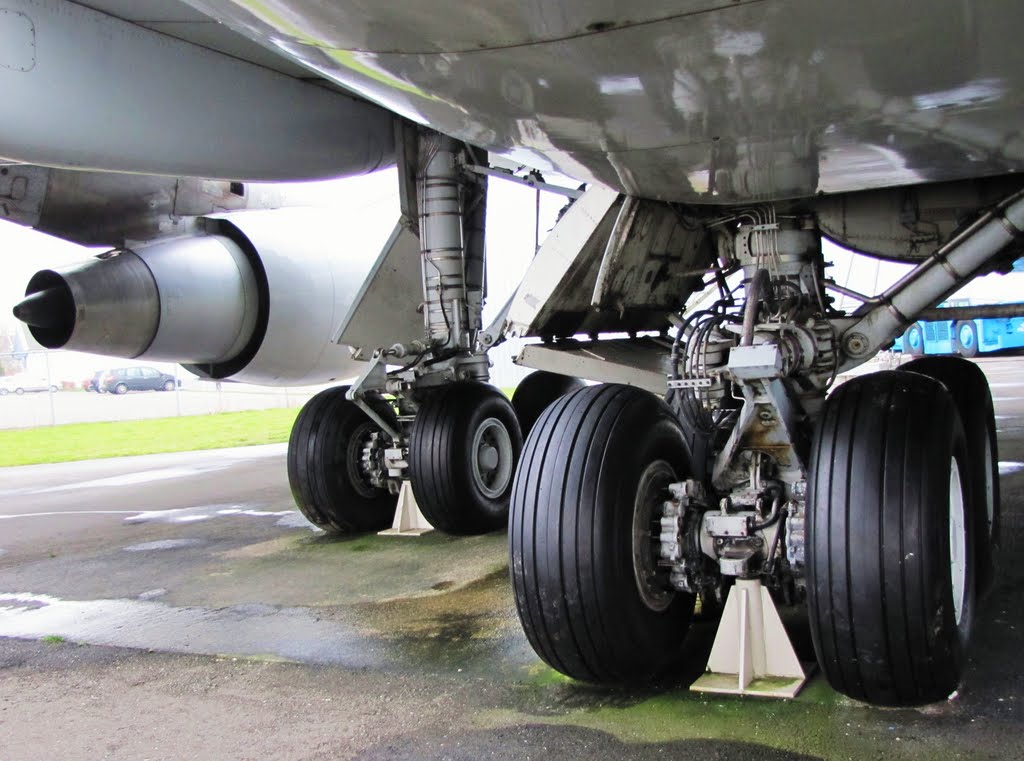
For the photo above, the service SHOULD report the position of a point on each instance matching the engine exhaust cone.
(50, 312)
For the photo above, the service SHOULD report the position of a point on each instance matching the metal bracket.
(529, 181)
(495, 332)
(375, 376)
(407, 157)
(767, 423)
(691, 383)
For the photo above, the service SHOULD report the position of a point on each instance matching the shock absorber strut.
(452, 256)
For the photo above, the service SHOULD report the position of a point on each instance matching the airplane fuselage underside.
(699, 101)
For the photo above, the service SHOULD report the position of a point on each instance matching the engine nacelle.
(256, 297)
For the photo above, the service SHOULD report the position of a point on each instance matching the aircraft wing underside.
(697, 101)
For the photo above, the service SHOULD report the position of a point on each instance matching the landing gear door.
(612, 264)
(383, 313)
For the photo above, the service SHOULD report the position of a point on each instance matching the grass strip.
(90, 441)
(93, 441)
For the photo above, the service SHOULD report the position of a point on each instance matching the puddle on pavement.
(463, 628)
(1006, 468)
(128, 479)
(295, 519)
(285, 518)
(295, 634)
(164, 544)
(460, 628)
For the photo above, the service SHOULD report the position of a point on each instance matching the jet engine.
(254, 296)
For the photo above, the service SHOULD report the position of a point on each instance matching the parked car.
(92, 383)
(22, 383)
(124, 379)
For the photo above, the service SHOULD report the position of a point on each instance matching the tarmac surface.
(176, 606)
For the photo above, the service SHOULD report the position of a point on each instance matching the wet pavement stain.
(469, 628)
(164, 544)
(530, 741)
(208, 512)
(244, 630)
(328, 572)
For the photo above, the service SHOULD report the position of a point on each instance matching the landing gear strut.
(455, 439)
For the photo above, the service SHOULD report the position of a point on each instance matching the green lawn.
(87, 441)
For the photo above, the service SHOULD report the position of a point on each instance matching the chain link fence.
(41, 388)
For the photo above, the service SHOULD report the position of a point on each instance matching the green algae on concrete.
(323, 572)
(819, 723)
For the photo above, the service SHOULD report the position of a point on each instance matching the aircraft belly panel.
(692, 101)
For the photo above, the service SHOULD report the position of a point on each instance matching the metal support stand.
(409, 521)
(752, 654)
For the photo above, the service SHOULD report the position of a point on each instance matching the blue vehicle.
(968, 338)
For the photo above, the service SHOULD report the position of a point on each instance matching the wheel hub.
(651, 580)
(491, 458)
(363, 460)
(957, 540)
(488, 457)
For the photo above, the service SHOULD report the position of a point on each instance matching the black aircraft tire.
(324, 455)
(890, 617)
(456, 429)
(594, 459)
(969, 388)
(536, 392)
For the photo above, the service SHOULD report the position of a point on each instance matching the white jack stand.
(752, 654)
(409, 521)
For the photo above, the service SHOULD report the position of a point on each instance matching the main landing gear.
(877, 505)
(433, 424)
(463, 447)
(892, 566)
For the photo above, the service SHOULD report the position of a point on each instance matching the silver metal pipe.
(933, 280)
(757, 282)
(973, 312)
